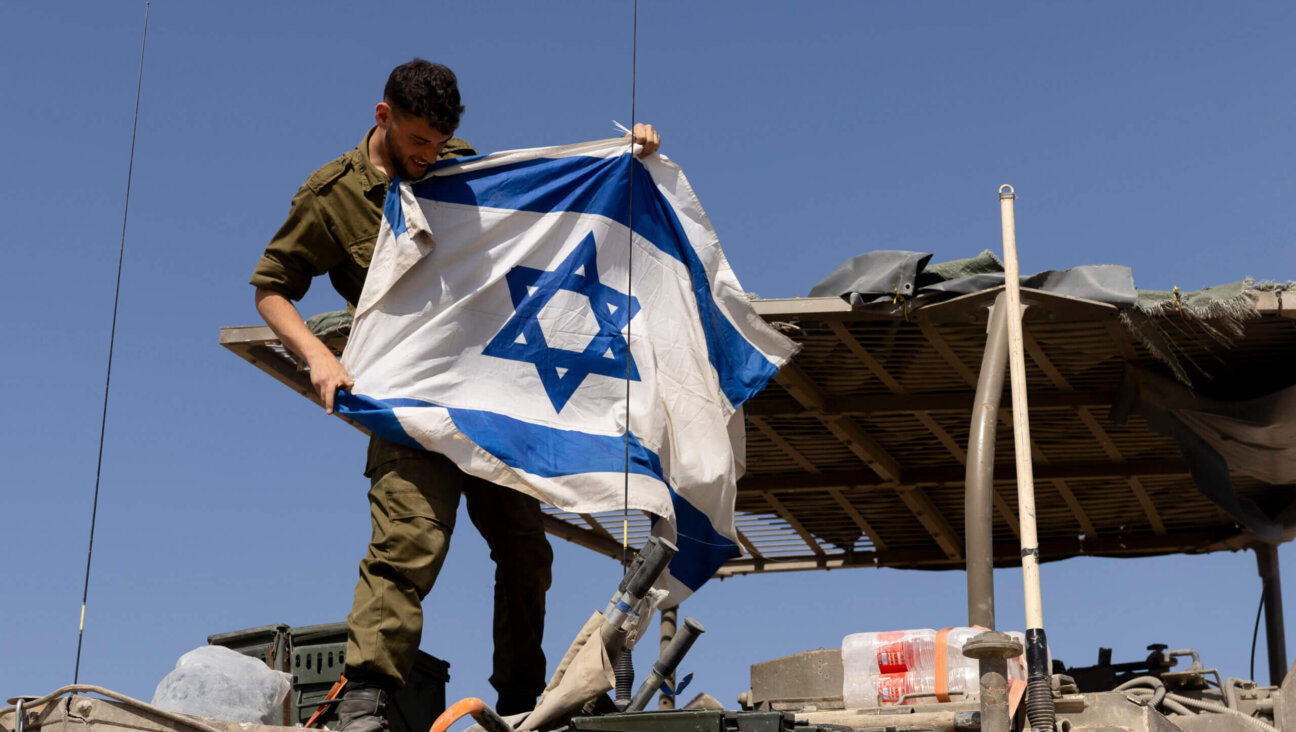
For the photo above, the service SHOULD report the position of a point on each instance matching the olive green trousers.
(413, 498)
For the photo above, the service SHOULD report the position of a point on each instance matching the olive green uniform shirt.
(332, 226)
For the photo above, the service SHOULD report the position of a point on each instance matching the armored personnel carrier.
(1162, 424)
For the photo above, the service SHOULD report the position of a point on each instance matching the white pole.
(1039, 705)
(1021, 414)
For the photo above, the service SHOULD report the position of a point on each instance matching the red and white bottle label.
(890, 688)
(890, 653)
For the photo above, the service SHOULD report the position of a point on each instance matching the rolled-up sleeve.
(303, 248)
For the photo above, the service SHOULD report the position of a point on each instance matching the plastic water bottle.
(899, 651)
(883, 667)
(889, 689)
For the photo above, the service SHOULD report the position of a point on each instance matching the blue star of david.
(562, 371)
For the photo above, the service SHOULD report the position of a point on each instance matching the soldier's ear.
(383, 114)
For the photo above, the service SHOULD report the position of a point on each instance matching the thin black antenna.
(624, 671)
(625, 507)
(112, 338)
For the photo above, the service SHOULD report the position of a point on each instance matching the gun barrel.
(665, 666)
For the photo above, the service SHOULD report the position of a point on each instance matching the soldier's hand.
(327, 376)
(645, 135)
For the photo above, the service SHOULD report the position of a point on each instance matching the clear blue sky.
(1155, 134)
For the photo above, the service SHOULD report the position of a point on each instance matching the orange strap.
(1016, 692)
(942, 666)
(319, 711)
(463, 707)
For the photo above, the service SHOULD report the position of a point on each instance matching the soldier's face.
(412, 144)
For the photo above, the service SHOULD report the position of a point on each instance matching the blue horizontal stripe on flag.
(702, 549)
(548, 452)
(589, 185)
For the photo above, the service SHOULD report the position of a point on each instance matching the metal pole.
(978, 500)
(1275, 635)
(992, 651)
(669, 619)
(1039, 699)
(665, 666)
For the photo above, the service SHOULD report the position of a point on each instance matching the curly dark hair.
(426, 90)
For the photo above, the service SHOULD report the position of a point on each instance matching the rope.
(112, 339)
(129, 701)
(625, 506)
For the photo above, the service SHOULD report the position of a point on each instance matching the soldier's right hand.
(327, 376)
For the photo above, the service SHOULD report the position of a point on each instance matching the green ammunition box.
(318, 657)
(315, 655)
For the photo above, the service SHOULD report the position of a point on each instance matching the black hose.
(1039, 687)
(624, 674)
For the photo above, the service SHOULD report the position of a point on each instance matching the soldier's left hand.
(645, 135)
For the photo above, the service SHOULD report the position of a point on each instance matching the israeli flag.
(507, 304)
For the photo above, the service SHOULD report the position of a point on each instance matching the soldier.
(414, 495)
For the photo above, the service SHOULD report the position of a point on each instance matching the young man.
(414, 495)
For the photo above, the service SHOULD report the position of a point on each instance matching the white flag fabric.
(507, 304)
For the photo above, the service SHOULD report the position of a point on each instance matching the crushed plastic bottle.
(216, 682)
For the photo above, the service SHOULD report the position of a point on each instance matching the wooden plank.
(773, 435)
(1005, 554)
(942, 436)
(801, 307)
(1007, 513)
(951, 358)
(597, 527)
(748, 545)
(1077, 510)
(584, 537)
(855, 516)
(281, 368)
(1100, 434)
(845, 429)
(247, 335)
(1004, 473)
(1043, 363)
(801, 387)
(1149, 509)
(938, 342)
(1122, 338)
(932, 520)
(957, 401)
(865, 448)
(1104, 440)
(879, 371)
(791, 520)
(1273, 303)
(860, 352)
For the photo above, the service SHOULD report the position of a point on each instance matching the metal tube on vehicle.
(992, 651)
(1039, 693)
(669, 623)
(648, 564)
(978, 499)
(689, 631)
(1275, 635)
